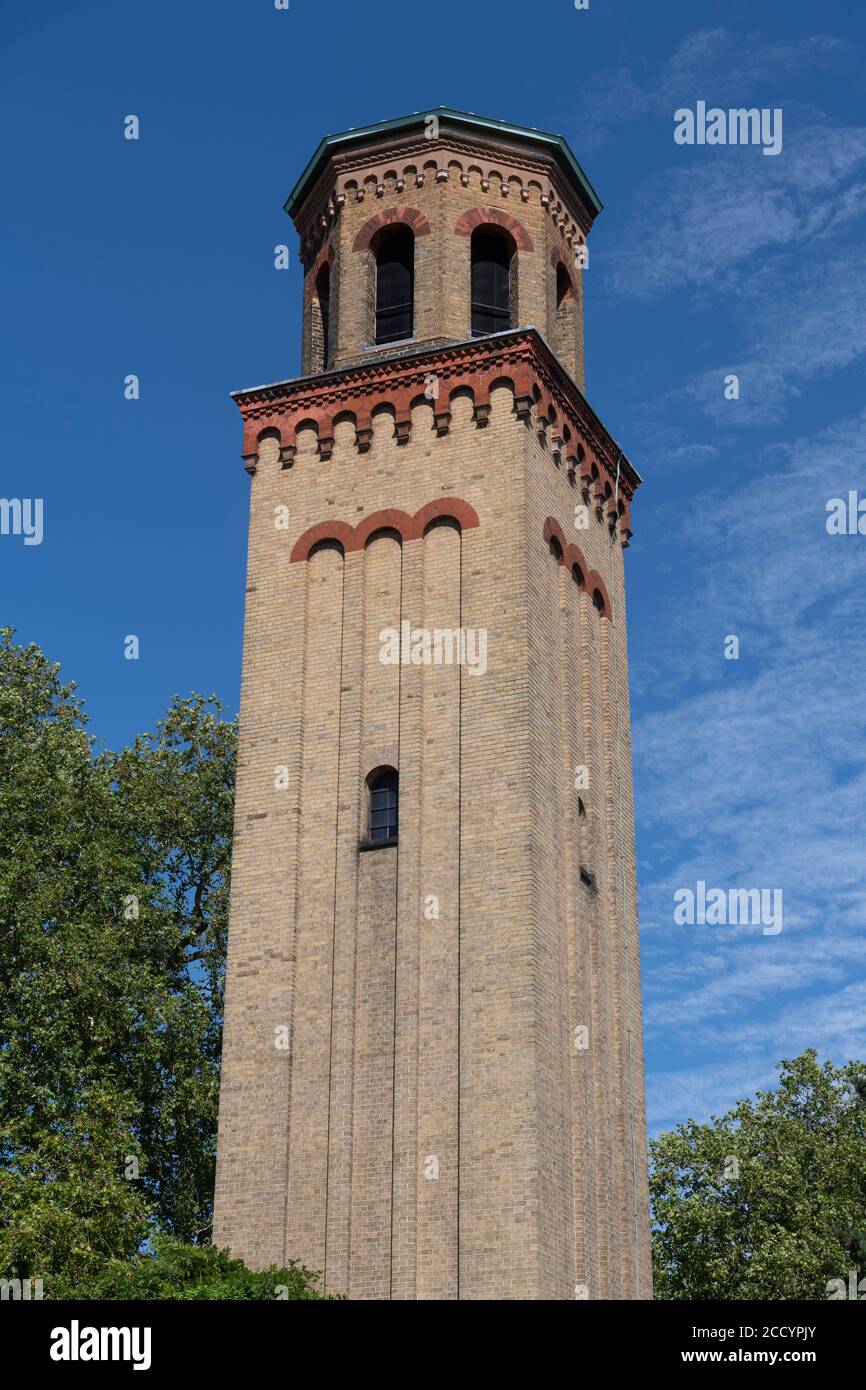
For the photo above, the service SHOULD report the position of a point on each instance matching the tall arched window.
(563, 284)
(384, 798)
(492, 253)
(395, 283)
(322, 327)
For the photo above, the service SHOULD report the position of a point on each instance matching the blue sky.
(156, 258)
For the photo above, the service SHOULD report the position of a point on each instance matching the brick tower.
(432, 1080)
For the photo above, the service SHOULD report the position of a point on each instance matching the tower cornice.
(502, 160)
(479, 127)
(544, 396)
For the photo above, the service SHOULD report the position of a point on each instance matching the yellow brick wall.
(449, 1037)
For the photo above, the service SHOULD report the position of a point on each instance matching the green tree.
(176, 1271)
(113, 903)
(768, 1202)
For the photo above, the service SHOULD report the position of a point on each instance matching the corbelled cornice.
(394, 166)
(545, 397)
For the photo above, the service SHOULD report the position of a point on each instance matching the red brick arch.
(389, 519)
(570, 556)
(558, 259)
(408, 217)
(409, 528)
(479, 217)
(453, 507)
(324, 531)
(326, 254)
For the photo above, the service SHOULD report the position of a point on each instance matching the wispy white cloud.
(744, 1060)
(723, 206)
(748, 774)
(717, 65)
(753, 774)
(811, 321)
(701, 1091)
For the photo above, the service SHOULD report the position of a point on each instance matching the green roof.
(554, 144)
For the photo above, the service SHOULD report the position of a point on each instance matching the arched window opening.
(384, 797)
(323, 297)
(565, 320)
(598, 601)
(563, 284)
(492, 254)
(555, 549)
(395, 285)
(442, 523)
(577, 575)
(329, 543)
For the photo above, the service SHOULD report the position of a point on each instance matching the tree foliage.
(768, 1202)
(114, 876)
(113, 904)
(176, 1271)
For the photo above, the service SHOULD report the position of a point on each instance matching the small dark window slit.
(383, 815)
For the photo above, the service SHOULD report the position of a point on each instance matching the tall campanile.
(432, 1081)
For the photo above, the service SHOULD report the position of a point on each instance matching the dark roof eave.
(555, 143)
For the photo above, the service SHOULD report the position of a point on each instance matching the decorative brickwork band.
(409, 528)
(479, 217)
(518, 359)
(409, 217)
(570, 556)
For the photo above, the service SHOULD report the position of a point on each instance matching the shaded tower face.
(432, 1073)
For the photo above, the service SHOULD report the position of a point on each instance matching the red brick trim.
(570, 556)
(479, 217)
(409, 217)
(389, 519)
(453, 507)
(326, 254)
(558, 259)
(541, 390)
(324, 531)
(409, 528)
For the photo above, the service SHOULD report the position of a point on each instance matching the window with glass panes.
(383, 805)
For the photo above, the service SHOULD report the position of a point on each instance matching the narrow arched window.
(323, 296)
(563, 284)
(383, 806)
(492, 253)
(395, 284)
